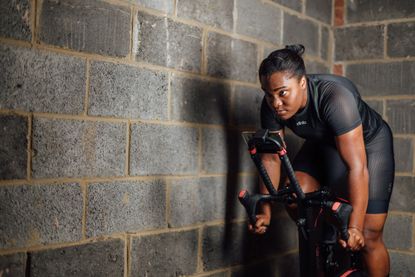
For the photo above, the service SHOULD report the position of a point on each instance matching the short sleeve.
(340, 111)
(269, 119)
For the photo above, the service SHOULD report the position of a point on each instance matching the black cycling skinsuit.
(334, 107)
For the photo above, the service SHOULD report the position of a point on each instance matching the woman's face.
(285, 93)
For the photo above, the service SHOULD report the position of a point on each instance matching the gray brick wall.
(125, 206)
(166, 254)
(175, 146)
(128, 92)
(87, 26)
(15, 19)
(121, 152)
(199, 101)
(231, 58)
(247, 23)
(162, 41)
(104, 258)
(355, 43)
(303, 31)
(214, 13)
(74, 148)
(13, 265)
(41, 81)
(13, 147)
(40, 214)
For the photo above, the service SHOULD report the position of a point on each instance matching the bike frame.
(263, 142)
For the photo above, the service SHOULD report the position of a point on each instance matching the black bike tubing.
(264, 175)
(307, 247)
(291, 176)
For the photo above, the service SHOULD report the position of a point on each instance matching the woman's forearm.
(358, 180)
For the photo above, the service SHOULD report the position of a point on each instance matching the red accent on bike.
(252, 151)
(318, 217)
(242, 193)
(347, 273)
(335, 206)
(282, 152)
(344, 200)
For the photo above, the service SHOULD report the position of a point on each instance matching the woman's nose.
(277, 103)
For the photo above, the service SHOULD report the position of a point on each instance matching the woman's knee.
(307, 182)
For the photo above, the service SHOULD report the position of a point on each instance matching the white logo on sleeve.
(300, 123)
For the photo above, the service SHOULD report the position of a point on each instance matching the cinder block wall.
(374, 46)
(120, 134)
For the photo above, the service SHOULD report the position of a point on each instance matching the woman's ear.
(303, 82)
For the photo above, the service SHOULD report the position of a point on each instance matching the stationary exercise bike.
(320, 254)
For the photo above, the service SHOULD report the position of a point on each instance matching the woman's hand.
(356, 240)
(261, 224)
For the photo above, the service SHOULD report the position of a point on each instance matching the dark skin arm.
(352, 150)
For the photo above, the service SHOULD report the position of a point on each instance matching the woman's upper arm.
(352, 149)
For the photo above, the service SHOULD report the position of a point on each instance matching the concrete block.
(72, 148)
(287, 265)
(125, 206)
(398, 232)
(216, 13)
(217, 148)
(86, 26)
(40, 214)
(403, 194)
(301, 31)
(162, 41)
(402, 264)
(324, 43)
(400, 115)
(259, 20)
(377, 105)
(125, 91)
(176, 149)
(13, 265)
(39, 81)
(161, 5)
(13, 147)
(219, 274)
(363, 42)
(231, 58)
(401, 39)
(383, 79)
(166, 254)
(223, 246)
(363, 11)
(314, 67)
(320, 10)
(243, 158)
(200, 101)
(292, 4)
(104, 258)
(15, 19)
(197, 200)
(246, 106)
(404, 149)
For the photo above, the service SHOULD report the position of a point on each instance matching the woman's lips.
(281, 112)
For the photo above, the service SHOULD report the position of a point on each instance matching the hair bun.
(297, 48)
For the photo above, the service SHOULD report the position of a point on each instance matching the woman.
(345, 140)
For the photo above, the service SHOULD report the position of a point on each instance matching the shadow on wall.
(224, 151)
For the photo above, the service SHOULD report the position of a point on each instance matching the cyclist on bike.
(346, 142)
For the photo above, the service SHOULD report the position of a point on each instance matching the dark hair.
(287, 59)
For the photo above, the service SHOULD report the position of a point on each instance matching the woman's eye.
(283, 92)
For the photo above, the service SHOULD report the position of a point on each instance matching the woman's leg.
(375, 255)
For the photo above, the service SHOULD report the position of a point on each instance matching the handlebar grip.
(342, 213)
(249, 204)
